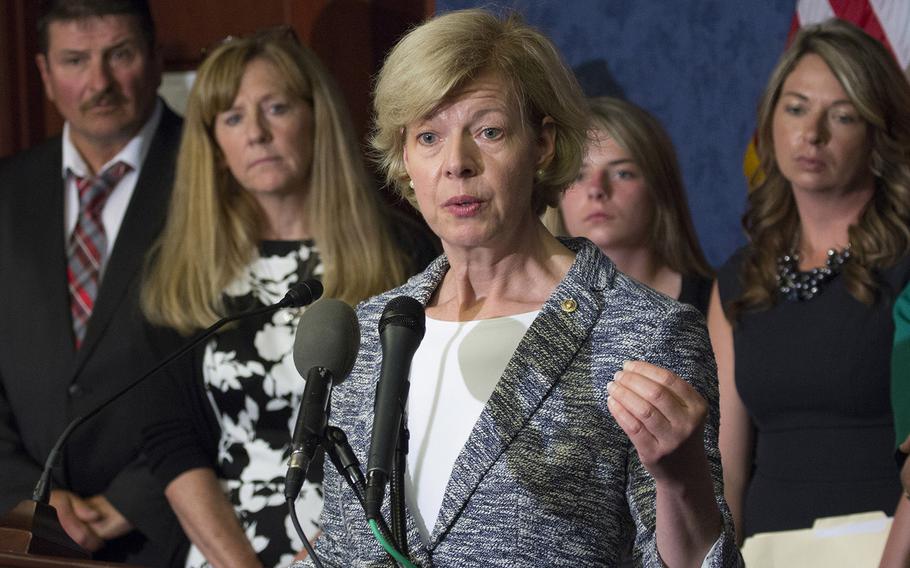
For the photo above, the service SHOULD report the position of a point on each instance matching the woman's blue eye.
(232, 119)
(426, 138)
(491, 133)
(793, 109)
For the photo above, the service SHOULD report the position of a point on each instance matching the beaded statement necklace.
(796, 286)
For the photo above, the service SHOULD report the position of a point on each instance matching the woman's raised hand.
(663, 416)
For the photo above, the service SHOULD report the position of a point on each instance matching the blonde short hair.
(437, 58)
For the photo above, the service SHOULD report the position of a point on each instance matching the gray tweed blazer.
(547, 477)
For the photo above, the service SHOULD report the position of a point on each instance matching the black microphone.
(298, 295)
(325, 347)
(401, 329)
(301, 294)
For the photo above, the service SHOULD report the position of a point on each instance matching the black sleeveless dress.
(814, 377)
(696, 291)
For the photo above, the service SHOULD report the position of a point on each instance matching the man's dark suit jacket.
(45, 382)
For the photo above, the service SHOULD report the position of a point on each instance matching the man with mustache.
(78, 214)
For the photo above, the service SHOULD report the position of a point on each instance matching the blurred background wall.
(698, 65)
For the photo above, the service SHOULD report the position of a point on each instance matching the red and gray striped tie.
(87, 247)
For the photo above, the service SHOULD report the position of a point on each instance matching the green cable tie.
(388, 547)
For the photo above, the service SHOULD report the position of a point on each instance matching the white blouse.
(453, 374)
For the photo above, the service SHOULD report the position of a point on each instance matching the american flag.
(886, 20)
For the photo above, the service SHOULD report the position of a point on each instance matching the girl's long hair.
(672, 237)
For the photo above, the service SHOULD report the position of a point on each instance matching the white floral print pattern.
(255, 391)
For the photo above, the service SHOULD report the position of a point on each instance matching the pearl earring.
(411, 184)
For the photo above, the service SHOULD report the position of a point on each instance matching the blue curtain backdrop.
(698, 65)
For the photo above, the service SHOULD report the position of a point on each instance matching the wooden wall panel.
(350, 36)
(22, 106)
(185, 28)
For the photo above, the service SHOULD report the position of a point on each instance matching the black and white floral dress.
(255, 391)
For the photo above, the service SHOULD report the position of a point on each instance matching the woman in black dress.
(630, 201)
(800, 318)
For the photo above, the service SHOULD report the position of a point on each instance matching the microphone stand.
(342, 456)
(33, 526)
(396, 488)
(42, 488)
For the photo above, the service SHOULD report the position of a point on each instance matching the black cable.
(336, 445)
(396, 489)
(302, 535)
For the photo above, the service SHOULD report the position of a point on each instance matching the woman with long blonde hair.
(800, 319)
(270, 190)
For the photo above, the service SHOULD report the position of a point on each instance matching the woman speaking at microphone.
(270, 190)
(544, 430)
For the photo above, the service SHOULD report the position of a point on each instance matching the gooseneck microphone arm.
(299, 295)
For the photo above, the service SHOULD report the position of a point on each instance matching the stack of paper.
(851, 541)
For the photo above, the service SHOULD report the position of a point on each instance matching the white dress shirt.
(133, 153)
